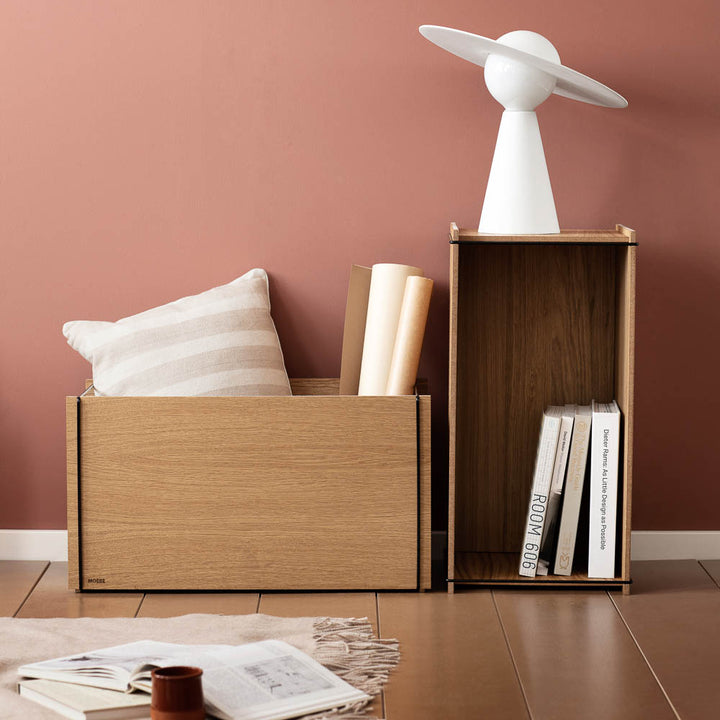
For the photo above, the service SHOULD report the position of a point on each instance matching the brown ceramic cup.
(177, 694)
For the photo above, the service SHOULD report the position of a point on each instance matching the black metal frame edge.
(79, 494)
(417, 475)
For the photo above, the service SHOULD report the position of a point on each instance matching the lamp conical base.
(519, 199)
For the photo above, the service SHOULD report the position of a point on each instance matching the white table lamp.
(522, 70)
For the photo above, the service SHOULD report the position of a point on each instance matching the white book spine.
(604, 460)
(555, 496)
(563, 450)
(569, 516)
(537, 507)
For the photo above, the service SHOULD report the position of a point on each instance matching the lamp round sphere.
(514, 84)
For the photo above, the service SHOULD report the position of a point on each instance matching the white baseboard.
(33, 545)
(676, 545)
(646, 545)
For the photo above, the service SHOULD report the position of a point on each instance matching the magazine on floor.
(268, 680)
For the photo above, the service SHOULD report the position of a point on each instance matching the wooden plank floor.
(530, 655)
(17, 580)
(552, 635)
(674, 617)
(51, 598)
(455, 662)
(171, 604)
(712, 568)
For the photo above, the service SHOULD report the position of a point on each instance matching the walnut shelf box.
(316, 491)
(535, 320)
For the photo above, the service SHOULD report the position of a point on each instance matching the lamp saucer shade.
(568, 83)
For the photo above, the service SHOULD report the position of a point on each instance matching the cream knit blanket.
(347, 646)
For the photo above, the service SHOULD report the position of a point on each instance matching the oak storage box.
(311, 492)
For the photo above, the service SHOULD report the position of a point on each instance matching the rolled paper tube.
(387, 289)
(409, 338)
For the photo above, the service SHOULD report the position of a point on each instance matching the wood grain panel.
(673, 615)
(535, 326)
(51, 598)
(17, 579)
(502, 569)
(173, 604)
(455, 661)
(575, 658)
(452, 403)
(624, 391)
(425, 469)
(315, 386)
(71, 411)
(619, 236)
(249, 493)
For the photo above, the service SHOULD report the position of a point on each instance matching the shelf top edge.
(619, 236)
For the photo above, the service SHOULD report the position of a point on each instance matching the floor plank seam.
(512, 656)
(32, 589)
(140, 604)
(377, 614)
(257, 606)
(709, 574)
(644, 656)
(383, 707)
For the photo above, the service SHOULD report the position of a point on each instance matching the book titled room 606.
(530, 556)
(544, 463)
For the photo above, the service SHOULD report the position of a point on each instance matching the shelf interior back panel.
(535, 327)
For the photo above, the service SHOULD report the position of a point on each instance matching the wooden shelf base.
(496, 569)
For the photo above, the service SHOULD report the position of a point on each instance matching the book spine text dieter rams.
(604, 458)
(537, 507)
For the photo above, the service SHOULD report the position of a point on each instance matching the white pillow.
(220, 342)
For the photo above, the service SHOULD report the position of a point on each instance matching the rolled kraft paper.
(354, 329)
(387, 288)
(409, 338)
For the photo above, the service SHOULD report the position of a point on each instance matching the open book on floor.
(268, 680)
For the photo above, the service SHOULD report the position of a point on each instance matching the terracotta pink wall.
(150, 150)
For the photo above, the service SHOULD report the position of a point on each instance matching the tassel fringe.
(349, 648)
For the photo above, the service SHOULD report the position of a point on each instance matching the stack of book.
(566, 513)
(266, 680)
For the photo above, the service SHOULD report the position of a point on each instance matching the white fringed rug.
(347, 646)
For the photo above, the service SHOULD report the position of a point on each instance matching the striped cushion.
(220, 342)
